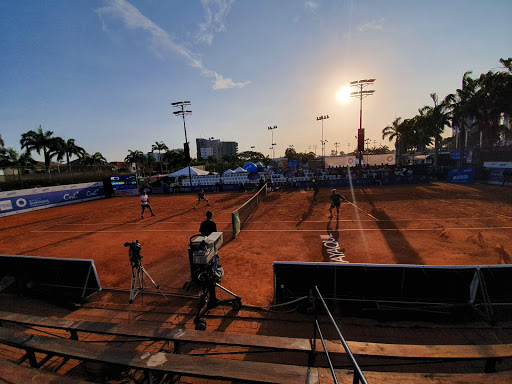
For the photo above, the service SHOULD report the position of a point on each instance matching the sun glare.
(343, 95)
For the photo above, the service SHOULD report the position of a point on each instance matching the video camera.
(134, 252)
(203, 252)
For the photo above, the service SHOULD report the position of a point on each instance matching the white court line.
(294, 230)
(390, 220)
(362, 210)
(375, 229)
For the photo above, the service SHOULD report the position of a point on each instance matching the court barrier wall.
(49, 278)
(498, 173)
(467, 285)
(332, 182)
(26, 200)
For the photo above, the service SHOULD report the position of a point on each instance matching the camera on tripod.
(134, 252)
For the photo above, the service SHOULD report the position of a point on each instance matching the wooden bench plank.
(14, 373)
(274, 342)
(195, 366)
(345, 376)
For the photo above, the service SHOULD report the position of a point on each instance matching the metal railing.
(358, 374)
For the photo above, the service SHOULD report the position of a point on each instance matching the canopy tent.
(193, 172)
(240, 170)
(228, 172)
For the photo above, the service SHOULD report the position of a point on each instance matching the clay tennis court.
(433, 224)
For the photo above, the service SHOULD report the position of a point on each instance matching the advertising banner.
(14, 202)
(461, 176)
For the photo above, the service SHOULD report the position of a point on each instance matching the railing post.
(312, 355)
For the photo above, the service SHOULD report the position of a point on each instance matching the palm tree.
(437, 117)
(463, 111)
(70, 149)
(136, 157)
(40, 141)
(159, 146)
(392, 132)
(95, 160)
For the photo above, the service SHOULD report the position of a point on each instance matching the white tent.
(228, 172)
(193, 172)
(240, 170)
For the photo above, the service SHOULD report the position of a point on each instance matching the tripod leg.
(153, 281)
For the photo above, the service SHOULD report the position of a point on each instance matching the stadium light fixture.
(182, 112)
(271, 129)
(322, 118)
(361, 94)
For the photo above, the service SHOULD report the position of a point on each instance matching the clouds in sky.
(162, 44)
(372, 25)
(216, 12)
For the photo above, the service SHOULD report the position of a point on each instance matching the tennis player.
(335, 202)
(144, 203)
(201, 196)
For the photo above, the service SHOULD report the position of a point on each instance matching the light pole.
(336, 146)
(361, 94)
(368, 141)
(271, 129)
(182, 112)
(322, 141)
(314, 148)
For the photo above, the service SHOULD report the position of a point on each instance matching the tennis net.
(240, 216)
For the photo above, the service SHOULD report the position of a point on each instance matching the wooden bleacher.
(228, 369)
(179, 335)
(186, 365)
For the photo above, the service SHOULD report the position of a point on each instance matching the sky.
(105, 72)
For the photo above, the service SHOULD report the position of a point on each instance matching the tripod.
(211, 278)
(137, 283)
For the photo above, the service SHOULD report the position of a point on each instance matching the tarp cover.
(193, 172)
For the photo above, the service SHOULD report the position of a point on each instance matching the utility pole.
(361, 94)
(182, 112)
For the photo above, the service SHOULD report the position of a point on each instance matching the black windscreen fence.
(50, 278)
(457, 285)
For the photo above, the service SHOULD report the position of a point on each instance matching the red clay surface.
(436, 224)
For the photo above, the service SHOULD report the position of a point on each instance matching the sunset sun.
(343, 95)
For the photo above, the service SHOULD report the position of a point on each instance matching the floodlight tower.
(336, 146)
(271, 129)
(182, 112)
(361, 94)
(323, 141)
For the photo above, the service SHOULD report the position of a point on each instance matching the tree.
(291, 154)
(175, 159)
(463, 111)
(95, 160)
(136, 157)
(70, 148)
(437, 117)
(40, 141)
(250, 156)
(159, 146)
(392, 132)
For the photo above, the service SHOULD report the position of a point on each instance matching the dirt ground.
(434, 224)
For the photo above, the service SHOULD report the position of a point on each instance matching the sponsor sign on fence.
(461, 176)
(26, 200)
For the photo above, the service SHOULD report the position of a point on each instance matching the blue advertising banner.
(461, 176)
(454, 154)
(14, 202)
(293, 164)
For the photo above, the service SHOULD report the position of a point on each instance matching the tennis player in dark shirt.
(208, 226)
(336, 199)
